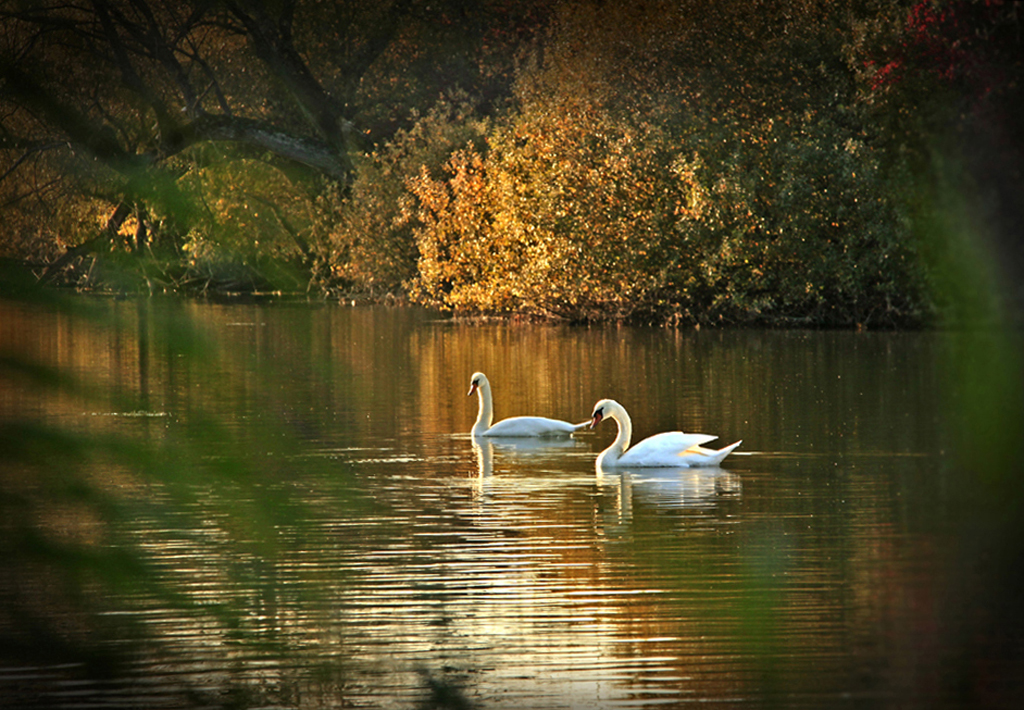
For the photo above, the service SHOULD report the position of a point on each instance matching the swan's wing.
(663, 449)
(699, 456)
(531, 426)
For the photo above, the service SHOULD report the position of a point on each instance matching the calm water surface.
(318, 530)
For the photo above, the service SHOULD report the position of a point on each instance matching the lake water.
(280, 506)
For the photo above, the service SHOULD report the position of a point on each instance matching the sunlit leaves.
(366, 235)
(688, 161)
(639, 177)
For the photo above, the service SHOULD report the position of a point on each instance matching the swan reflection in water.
(672, 467)
(484, 448)
(680, 487)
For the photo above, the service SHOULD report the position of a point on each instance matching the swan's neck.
(485, 414)
(621, 443)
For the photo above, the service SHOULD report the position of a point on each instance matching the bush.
(617, 189)
(365, 234)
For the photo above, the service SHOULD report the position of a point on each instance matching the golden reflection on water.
(325, 529)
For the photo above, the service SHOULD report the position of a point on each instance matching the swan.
(669, 449)
(513, 426)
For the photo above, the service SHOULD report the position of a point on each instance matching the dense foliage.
(687, 162)
(622, 185)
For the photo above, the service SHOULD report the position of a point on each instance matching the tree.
(690, 162)
(110, 107)
(942, 82)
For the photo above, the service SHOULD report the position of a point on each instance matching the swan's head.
(604, 408)
(477, 381)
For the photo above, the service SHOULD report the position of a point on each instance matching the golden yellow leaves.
(249, 204)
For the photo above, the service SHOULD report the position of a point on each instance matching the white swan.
(513, 426)
(670, 449)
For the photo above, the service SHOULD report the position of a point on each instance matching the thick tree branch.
(307, 151)
(272, 43)
(375, 41)
(100, 142)
(131, 36)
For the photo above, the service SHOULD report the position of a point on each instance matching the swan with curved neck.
(513, 426)
(669, 449)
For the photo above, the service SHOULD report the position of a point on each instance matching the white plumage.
(670, 449)
(513, 426)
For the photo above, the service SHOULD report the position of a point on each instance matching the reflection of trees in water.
(128, 501)
(163, 439)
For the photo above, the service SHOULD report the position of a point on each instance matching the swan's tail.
(582, 426)
(699, 456)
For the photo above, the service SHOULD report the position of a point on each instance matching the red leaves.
(950, 41)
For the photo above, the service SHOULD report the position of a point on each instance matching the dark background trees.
(692, 162)
(207, 128)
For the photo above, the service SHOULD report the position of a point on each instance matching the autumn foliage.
(622, 187)
(687, 162)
